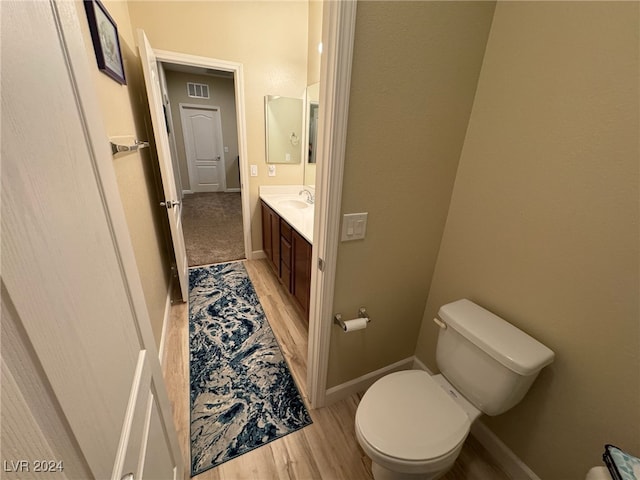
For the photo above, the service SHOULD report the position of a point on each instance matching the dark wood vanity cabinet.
(301, 270)
(289, 254)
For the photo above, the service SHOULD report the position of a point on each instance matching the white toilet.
(413, 425)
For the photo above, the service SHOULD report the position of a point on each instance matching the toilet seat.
(407, 418)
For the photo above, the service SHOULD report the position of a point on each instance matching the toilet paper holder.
(362, 313)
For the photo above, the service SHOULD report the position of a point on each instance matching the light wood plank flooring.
(328, 449)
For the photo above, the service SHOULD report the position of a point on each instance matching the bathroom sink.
(298, 204)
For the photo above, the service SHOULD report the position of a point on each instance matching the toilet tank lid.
(504, 342)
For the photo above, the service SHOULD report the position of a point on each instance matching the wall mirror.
(311, 130)
(284, 129)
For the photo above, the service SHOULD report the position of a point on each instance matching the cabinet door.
(266, 232)
(285, 263)
(271, 237)
(301, 270)
(275, 240)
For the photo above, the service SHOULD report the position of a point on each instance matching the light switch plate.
(254, 170)
(354, 226)
(272, 170)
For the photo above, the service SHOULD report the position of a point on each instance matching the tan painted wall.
(543, 225)
(124, 109)
(222, 94)
(313, 76)
(314, 38)
(268, 38)
(408, 115)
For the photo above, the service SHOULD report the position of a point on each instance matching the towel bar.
(116, 148)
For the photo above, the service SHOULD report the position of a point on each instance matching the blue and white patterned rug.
(242, 393)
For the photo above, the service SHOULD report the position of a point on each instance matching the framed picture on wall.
(106, 44)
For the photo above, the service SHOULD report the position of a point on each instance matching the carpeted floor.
(243, 395)
(212, 224)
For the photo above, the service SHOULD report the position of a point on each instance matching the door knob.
(171, 204)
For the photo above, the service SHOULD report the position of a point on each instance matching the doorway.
(338, 38)
(205, 138)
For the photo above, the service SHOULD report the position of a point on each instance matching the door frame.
(338, 32)
(165, 56)
(191, 168)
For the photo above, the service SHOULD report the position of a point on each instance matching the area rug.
(243, 395)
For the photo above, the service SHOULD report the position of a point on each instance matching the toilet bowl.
(413, 425)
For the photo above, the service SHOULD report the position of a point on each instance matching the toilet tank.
(489, 361)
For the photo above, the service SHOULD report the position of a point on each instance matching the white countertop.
(279, 197)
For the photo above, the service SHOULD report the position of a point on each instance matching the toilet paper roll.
(355, 324)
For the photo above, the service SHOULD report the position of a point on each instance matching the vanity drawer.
(285, 230)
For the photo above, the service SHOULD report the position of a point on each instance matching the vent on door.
(197, 90)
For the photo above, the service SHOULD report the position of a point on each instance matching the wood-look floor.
(327, 449)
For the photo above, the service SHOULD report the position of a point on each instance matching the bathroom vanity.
(287, 231)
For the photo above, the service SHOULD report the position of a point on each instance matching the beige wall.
(408, 114)
(268, 38)
(314, 38)
(313, 77)
(124, 109)
(222, 94)
(543, 225)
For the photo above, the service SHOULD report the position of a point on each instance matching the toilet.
(413, 425)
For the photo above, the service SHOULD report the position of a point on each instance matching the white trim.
(501, 454)
(238, 81)
(165, 324)
(232, 190)
(338, 32)
(187, 192)
(258, 254)
(418, 365)
(361, 384)
(191, 166)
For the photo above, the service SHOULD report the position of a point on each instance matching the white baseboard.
(189, 192)
(502, 455)
(361, 384)
(258, 254)
(165, 323)
(418, 365)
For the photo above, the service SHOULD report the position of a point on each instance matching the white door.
(82, 389)
(171, 196)
(202, 133)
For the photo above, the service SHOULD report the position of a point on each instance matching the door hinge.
(321, 264)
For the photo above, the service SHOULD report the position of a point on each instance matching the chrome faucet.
(310, 197)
